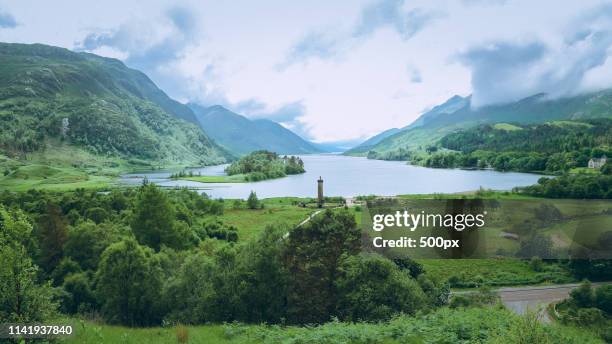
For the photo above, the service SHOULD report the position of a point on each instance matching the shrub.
(583, 295)
(603, 298)
(536, 264)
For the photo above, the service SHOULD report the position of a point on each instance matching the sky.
(336, 71)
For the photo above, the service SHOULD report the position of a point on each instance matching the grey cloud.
(495, 68)
(375, 16)
(505, 71)
(134, 40)
(129, 38)
(390, 13)
(313, 44)
(7, 21)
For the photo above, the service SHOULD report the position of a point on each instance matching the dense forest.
(551, 147)
(143, 256)
(559, 148)
(572, 186)
(260, 165)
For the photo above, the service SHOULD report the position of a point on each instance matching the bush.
(484, 296)
(583, 295)
(536, 264)
(603, 298)
(589, 316)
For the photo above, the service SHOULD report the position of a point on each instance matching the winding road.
(537, 298)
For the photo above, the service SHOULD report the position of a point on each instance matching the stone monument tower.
(320, 199)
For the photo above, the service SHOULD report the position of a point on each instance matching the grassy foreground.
(493, 324)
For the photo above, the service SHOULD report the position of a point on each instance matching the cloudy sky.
(336, 70)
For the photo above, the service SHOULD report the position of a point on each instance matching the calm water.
(350, 176)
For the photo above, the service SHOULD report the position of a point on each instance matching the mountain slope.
(242, 136)
(457, 113)
(50, 94)
(372, 141)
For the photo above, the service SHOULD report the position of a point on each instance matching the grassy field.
(279, 210)
(583, 170)
(251, 222)
(470, 273)
(472, 325)
(506, 126)
(583, 231)
(61, 167)
(52, 178)
(484, 194)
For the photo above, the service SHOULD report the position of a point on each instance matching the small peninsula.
(256, 166)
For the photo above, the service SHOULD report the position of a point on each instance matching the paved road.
(536, 299)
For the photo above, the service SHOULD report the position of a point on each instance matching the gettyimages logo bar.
(485, 228)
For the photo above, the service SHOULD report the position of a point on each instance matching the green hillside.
(55, 99)
(366, 145)
(457, 113)
(241, 135)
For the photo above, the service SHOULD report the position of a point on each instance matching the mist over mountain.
(457, 113)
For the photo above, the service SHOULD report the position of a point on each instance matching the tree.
(535, 245)
(52, 233)
(153, 221)
(96, 214)
(253, 201)
(411, 266)
(86, 242)
(262, 278)
(22, 299)
(312, 259)
(128, 284)
(78, 295)
(373, 288)
(190, 293)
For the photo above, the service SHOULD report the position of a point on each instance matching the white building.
(598, 163)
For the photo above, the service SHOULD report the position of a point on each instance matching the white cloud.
(350, 67)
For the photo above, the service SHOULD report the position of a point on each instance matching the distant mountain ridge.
(95, 103)
(241, 135)
(457, 113)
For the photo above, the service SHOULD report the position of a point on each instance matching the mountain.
(241, 135)
(366, 145)
(457, 113)
(54, 96)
